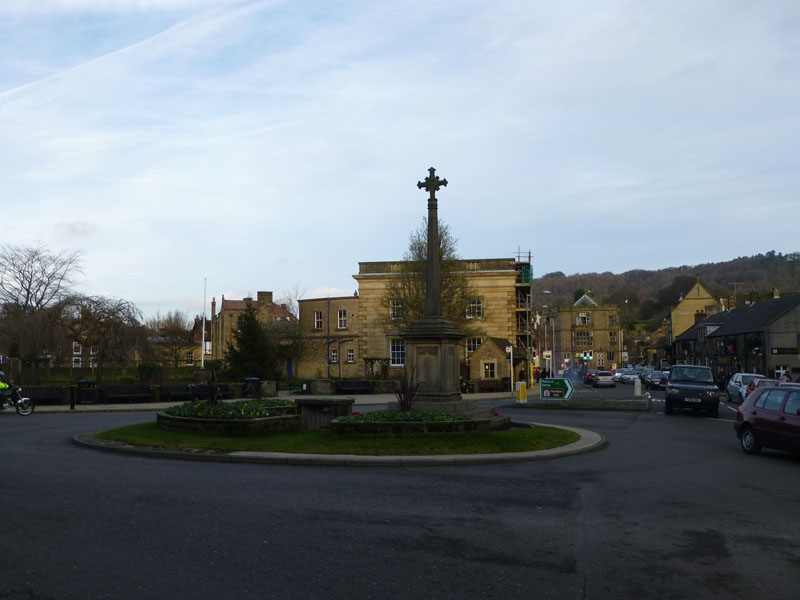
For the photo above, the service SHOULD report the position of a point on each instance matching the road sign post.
(555, 388)
(510, 355)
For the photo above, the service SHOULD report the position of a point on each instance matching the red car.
(770, 418)
(754, 383)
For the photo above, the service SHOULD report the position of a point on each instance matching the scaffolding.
(524, 312)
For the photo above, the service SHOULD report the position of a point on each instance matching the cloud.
(47, 7)
(259, 143)
(75, 229)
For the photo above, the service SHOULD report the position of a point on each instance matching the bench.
(175, 392)
(45, 394)
(200, 391)
(353, 386)
(489, 385)
(225, 392)
(128, 392)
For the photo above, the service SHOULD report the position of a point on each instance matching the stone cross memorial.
(433, 343)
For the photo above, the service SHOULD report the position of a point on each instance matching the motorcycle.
(11, 397)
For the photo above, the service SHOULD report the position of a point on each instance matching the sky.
(194, 148)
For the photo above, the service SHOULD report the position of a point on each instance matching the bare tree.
(33, 285)
(404, 298)
(290, 298)
(33, 337)
(169, 336)
(33, 278)
(110, 326)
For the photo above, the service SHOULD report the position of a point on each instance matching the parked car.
(589, 376)
(737, 385)
(656, 380)
(756, 382)
(769, 417)
(604, 379)
(691, 386)
(790, 384)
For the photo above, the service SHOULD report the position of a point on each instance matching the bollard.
(521, 393)
(637, 387)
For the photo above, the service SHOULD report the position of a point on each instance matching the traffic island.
(635, 404)
(148, 440)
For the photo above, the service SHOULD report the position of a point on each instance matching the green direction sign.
(556, 388)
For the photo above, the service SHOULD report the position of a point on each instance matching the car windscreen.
(691, 375)
(746, 379)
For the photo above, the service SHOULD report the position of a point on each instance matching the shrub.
(149, 372)
(405, 389)
(401, 417)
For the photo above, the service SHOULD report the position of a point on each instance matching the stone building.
(331, 333)
(490, 364)
(500, 308)
(225, 321)
(691, 309)
(763, 337)
(591, 328)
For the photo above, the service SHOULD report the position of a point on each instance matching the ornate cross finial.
(432, 183)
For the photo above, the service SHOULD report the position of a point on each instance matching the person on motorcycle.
(3, 384)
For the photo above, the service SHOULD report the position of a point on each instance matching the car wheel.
(749, 441)
(714, 413)
(667, 409)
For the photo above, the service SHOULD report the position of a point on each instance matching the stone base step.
(498, 422)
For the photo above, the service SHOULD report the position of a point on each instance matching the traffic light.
(591, 354)
(585, 355)
(533, 354)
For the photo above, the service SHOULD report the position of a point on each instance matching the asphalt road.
(671, 509)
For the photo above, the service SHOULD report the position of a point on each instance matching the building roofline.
(328, 298)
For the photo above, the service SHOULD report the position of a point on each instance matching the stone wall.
(230, 427)
(415, 428)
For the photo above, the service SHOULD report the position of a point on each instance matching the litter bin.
(252, 387)
(87, 391)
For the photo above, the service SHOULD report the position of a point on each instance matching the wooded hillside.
(651, 294)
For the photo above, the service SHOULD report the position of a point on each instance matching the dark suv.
(770, 417)
(691, 386)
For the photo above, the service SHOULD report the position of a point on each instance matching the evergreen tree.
(253, 352)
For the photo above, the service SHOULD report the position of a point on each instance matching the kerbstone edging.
(590, 441)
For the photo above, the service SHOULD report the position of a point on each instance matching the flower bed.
(244, 418)
(244, 409)
(398, 424)
(393, 416)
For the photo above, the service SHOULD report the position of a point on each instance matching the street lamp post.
(550, 367)
(545, 340)
(553, 350)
